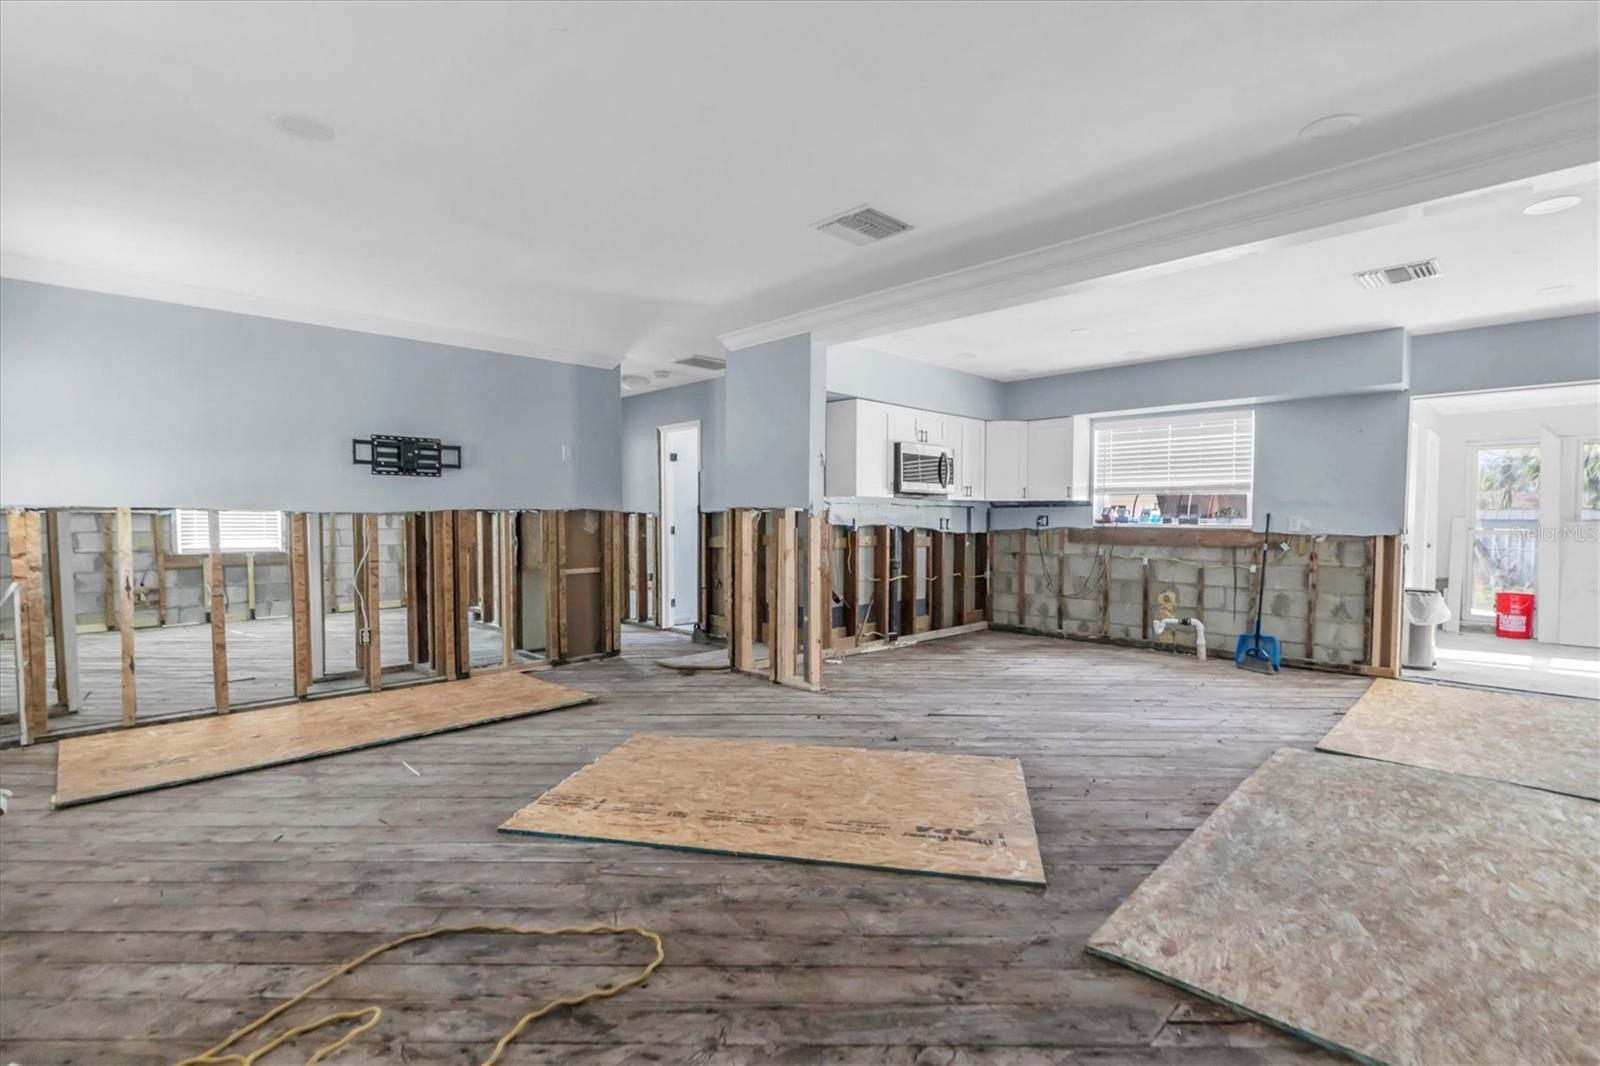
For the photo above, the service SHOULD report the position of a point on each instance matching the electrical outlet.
(1040, 521)
(365, 636)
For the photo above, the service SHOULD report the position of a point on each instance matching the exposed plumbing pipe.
(1160, 625)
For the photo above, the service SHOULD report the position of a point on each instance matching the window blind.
(237, 531)
(1199, 454)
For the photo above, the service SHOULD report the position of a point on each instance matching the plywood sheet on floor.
(115, 764)
(1547, 742)
(957, 815)
(1402, 914)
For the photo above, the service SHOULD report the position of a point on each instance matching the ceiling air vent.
(864, 225)
(1398, 275)
(703, 362)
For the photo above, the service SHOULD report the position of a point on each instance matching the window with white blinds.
(1199, 466)
(238, 531)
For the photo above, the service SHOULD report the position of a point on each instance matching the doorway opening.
(1503, 518)
(680, 525)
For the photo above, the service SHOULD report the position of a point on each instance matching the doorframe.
(666, 578)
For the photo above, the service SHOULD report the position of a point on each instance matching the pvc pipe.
(1161, 624)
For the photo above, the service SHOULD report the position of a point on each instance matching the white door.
(680, 523)
(1005, 460)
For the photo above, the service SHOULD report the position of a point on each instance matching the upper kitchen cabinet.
(1058, 459)
(860, 449)
(1005, 460)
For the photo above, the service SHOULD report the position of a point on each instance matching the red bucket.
(1513, 615)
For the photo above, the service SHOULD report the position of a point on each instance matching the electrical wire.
(369, 1016)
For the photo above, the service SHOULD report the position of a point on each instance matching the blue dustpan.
(1257, 647)
(1252, 648)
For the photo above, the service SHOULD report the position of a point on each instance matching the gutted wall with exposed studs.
(1317, 591)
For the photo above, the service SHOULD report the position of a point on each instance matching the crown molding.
(1554, 139)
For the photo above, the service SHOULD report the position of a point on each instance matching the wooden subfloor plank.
(287, 871)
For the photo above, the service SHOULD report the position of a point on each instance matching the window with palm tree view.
(1505, 534)
(1589, 490)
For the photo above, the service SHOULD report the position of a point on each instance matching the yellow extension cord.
(369, 1015)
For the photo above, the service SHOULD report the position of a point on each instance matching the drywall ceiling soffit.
(1362, 193)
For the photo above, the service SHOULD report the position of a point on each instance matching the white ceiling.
(1497, 265)
(624, 182)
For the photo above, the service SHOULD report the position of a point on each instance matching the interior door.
(681, 513)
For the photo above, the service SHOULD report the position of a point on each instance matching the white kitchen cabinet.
(966, 437)
(860, 449)
(1057, 459)
(1005, 460)
(902, 424)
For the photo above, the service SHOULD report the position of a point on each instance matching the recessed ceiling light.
(1552, 205)
(1329, 125)
(1554, 290)
(662, 374)
(1137, 354)
(964, 355)
(1080, 331)
(304, 127)
(633, 381)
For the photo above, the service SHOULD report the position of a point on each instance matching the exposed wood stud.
(64, 644)
(704, 548)
(113, 594)
(852, 584)
(300, 603)
(124, 583)
(27, 570)
(822, 566)
(507, 609)
(466, 523)
(1022, 576)
(408, 586)
(158, 523)
(444, 599)
(744, 591)
(1313, 565)
(784, 596)
(983, 549)
(882, 590)
(368, 577)
(960, 571)
(725, 575)
(1061, 580)
(550, 523)
(219, 614)
(1144, 599)
(1105, 590)
(908, 582)
(250, 584)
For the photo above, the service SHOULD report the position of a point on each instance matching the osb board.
(1397, 914)
(1545, 742)
(116, 764)
(957, 815)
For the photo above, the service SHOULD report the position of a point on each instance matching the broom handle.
(1261, 597)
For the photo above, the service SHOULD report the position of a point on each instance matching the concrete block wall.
(339, 543)
(1062, 584)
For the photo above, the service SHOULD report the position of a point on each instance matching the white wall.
(113, 401)
(643, 416)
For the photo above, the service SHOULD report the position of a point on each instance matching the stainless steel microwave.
(923, 469)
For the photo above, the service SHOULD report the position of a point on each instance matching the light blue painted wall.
(1334, 464)
(776, 411)
(865, 373)
(1332, 366)
(643, 415)
(108, 400)
(1547, 351)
